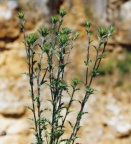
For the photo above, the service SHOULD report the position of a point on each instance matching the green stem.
(32, 89)
(88, 50)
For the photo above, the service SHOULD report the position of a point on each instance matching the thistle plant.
(57, 43)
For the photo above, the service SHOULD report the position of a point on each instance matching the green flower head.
(21, 15)
(103, 31)
(63, 39)
(31, 38)
(65, 31)
(54, 19)
(62, 12)
(88, 24)
(76, 81)
(44, 31)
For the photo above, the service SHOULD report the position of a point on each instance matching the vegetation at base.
(124, 66)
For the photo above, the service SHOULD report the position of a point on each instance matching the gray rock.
(116, 12)
(12, 108)
(123, 128)
(13, 4)
(5, 13)
(21, 126)
(125, 11)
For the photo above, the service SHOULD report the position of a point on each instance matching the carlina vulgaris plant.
(57, 43)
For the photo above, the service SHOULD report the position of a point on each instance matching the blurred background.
(109, 109)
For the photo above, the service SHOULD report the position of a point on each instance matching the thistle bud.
(102, 31)
(31, 38)
(54, 19)
(63, 39)
(44, 32)
(76, 81)
(65, 31)
(88, 24)
(21, 15)
(62, 12)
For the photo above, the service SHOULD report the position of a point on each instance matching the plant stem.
(31, 72)
(87, 59)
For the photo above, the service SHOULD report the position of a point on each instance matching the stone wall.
(108, 118)
(98, 8)
(115, 12)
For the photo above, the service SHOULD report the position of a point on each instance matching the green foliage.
(112, 65)
(88, 12)
(58, 44)
(46, 48)
(124, 66)
(111, 30)
(107, 68)
(119, 83)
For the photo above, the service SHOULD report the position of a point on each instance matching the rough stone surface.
(123, 128)
(21, 127)
(108, 119)
(14, 139)
(114, 12)
(5, 13)
(12, 108)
